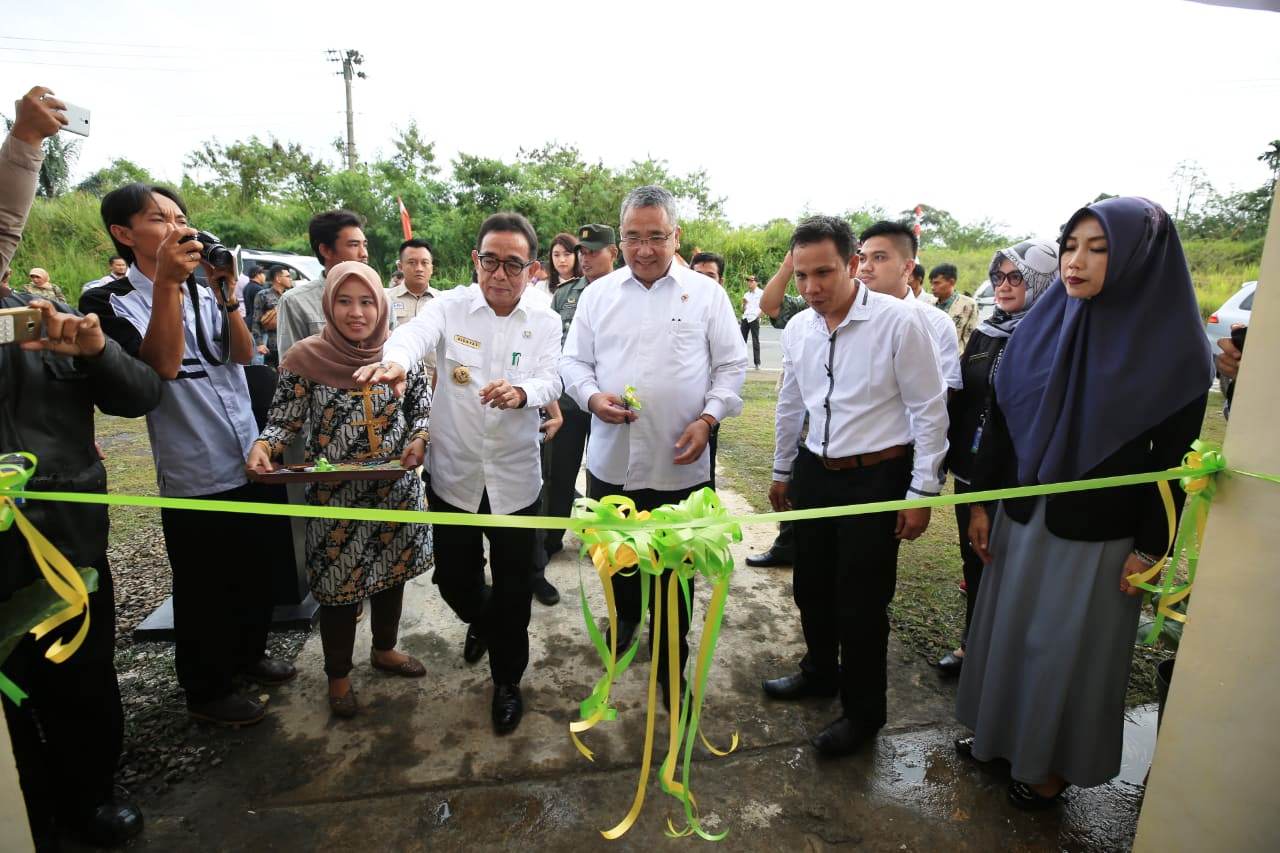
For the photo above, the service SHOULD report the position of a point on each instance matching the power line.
(78, 52)
(125, 44)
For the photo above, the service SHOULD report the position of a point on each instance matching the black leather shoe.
(843, 737)
(626, 633)
(545, 592)
(232, 711)
(798, 686)
(271, 671)
(508, 708)
(964, 746)
(474, 647)
(769, 559)
(1023, 796)
(950, 664)
(111, 824)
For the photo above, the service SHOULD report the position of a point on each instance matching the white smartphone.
(77, 119)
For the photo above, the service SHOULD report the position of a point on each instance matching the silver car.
(1235, 310)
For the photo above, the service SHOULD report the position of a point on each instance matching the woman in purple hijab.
(1108, 374)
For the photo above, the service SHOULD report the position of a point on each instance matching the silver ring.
(42, 97)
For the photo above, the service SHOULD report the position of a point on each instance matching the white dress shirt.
(679, 344)
(752, 300)
(871, 384)
(942, 331)
(475, 448)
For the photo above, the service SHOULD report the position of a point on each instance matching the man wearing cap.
(597, 253)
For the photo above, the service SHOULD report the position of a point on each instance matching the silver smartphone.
(77, 119)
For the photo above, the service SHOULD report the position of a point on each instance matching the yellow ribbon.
(57, 571)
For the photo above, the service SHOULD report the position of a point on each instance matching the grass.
(928, 610)
(130, 471)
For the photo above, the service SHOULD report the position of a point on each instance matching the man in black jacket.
(67, 736)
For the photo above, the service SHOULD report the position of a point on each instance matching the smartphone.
(1237, 337)
(77, 120)
(20, 324)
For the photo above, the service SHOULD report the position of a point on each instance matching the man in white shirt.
(118, 268)
(887, 262)
(497, 353)
(671, 333)
(860, 365)
(751, 316)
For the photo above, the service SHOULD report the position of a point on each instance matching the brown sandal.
(345, 705)
(409, 668)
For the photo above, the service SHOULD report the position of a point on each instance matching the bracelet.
(708, 420)
(1146, 558)
(231, 306)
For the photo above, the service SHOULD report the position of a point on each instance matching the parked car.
(986, 297)
(1235, 310)
(301, 267)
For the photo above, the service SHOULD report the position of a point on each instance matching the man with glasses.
(672, 334)
(497, 353)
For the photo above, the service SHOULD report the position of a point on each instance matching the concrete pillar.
(15, 834)
(1215, 781)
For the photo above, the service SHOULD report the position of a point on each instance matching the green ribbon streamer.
(11, 691)
(466, 519)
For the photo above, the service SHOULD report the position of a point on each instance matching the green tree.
(117, 174)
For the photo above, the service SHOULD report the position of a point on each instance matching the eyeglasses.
(638, 242)
(490, 263)
(1015, 278)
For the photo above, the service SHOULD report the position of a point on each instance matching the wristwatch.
(232, 306)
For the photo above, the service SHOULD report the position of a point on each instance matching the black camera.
(214, 253)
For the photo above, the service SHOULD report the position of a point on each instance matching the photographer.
(200, 435)
(67, 736)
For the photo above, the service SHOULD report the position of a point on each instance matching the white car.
(301, 267)
(986, 298)
(1235, 310)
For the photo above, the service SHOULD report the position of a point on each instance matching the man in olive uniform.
(597, 253)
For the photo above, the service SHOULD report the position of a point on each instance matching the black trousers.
(626, 590)
(752, 328)
(784, 544)
(845, 572)
(70, 731)
(563, 455)
(972, 562)
(338, 628)
(221, 597)
(501, 615)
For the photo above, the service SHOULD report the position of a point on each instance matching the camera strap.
(224, 337)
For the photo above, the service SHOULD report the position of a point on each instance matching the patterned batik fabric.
(348, 561)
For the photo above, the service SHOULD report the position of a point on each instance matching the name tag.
(467, 342)
(397, 306)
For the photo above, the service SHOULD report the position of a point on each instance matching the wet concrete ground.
(420, 768)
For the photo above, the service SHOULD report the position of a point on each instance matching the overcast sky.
(1017, 111)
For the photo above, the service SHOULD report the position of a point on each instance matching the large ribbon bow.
(629, 541)
(71, 588)
(1185, 539)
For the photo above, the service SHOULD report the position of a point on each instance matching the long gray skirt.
(1047, 663)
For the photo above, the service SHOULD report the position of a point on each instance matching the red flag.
(404, 220)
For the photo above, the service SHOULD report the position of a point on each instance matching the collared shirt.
(475, 448)
(300, 314)
(98, 282)
(266, 300)
(678, 342)
(202, 430)
(871, 384)
(752, 300)
(405, 305)
(565, 303)
(943, 335)
(963, 311)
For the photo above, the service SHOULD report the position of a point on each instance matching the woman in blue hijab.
(1108, 374)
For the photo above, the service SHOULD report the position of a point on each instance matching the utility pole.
(349, 59)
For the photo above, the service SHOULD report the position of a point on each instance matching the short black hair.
(708, 258)
(324, 228)
(510, 223)
(918, 272)
(900, 231)
(253, 270)
(944, 270)
(114, 258)
(281, 269)
(120, 206)
(417, 243)
(815, 229)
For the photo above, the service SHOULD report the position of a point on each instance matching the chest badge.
(528, 333)
(461, 375)
(684, 297)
